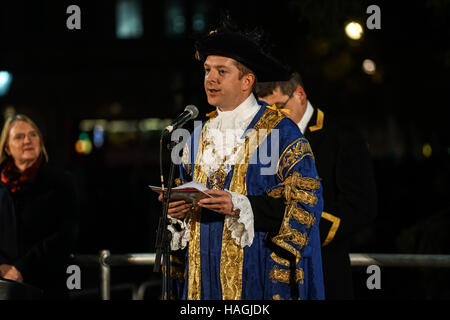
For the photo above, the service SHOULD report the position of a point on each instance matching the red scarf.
(14, 179)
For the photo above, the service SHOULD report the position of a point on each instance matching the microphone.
(190, 112)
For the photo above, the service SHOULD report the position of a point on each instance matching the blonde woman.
(43, 201)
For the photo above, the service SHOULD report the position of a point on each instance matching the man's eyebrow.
(216, 66)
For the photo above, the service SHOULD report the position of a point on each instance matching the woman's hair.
(5, 136)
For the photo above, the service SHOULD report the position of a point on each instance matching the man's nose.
(212, 76)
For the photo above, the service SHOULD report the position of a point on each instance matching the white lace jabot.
(224, 134)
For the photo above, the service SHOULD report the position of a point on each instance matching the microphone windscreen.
(192, 109)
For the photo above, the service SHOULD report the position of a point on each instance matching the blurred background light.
(9, 112)
(100, 126)
(175, 18)
(427, 150)
(98, 135)
(89, 124)
(83, 144)
(122, 126)
(198, 23)
(5, 82)
(129, 19)
(354, 30)
(199, 18)
(369, 66)
(153, 124)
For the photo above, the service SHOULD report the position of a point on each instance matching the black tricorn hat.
(244, 47)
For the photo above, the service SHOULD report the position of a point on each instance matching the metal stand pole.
(105, 275)
(163, 236)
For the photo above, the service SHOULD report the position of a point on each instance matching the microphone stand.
(163, 235)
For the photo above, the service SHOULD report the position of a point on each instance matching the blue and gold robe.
(284, 265)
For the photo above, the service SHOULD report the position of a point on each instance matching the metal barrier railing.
(105, 260)
(400, 260)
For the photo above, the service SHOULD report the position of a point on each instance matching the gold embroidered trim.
(281, 242)
(296, 181)
(254, 137)
(319, 121)
(278, 297)
(188, 169)
(290, 195)
(194, 269)
(303, 196)
(287, 233)
(232, 255)
(294, 236)
(300, 214)
(199, 174)
(292, 189)
(279, 260)
(186, 160)
(212, 114)
(306, 183)
(280, 111)
(294, 152)
(240, 168)
(276, 193)
(289, 189)
(333, 229)
(178, 182)
(268, 120)
(283, 275)
(231, 265)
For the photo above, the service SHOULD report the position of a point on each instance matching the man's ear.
(249, 80)
(301, 94)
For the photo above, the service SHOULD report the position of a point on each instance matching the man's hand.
(10, 272)
(221, 202)
(177, 209)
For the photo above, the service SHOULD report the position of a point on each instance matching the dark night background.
(61, 77)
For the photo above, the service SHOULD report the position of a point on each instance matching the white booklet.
(191, 192)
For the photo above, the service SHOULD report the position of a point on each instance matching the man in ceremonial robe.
(344, 165)
(257, 237)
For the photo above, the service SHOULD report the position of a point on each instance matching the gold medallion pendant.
(217, 179)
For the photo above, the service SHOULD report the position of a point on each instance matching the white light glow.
(369, 66)
(354, 30)
(5, 82)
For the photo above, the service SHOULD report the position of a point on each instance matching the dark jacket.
(46, 214)
(8, 232)
(350, 201)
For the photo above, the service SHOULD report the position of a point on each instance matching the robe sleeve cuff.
(180, 230)
(241, 226)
